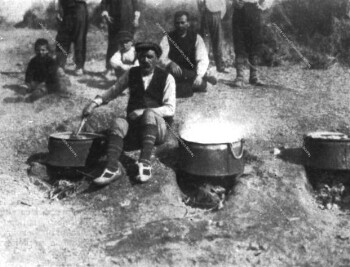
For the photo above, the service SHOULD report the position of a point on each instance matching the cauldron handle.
(233, 152)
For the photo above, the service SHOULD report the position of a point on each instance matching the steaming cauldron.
(211, 159)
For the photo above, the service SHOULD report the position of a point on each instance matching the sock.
(114, 149)
(149, 136)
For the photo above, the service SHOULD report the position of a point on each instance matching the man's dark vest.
(183, 50)
(150, 98)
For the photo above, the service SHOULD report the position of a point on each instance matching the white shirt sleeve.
(164, 58)
(121, 84)
(169, 99)
(116, 60)
(202, 57)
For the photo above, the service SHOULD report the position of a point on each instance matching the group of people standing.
(156, 74)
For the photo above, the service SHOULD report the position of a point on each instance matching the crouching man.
(151, 105)
(186, 58)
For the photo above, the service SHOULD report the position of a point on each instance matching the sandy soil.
(270, 219)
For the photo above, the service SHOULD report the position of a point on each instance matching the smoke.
(221, 127)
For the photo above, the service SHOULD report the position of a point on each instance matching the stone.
(38, 170)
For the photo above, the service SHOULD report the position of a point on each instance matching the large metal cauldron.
(222, 159)
(327, 150)
(66, 150)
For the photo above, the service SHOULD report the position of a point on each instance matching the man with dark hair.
(151, 105)
(185, 57)
(246, 29)
(121, 15)
(73, 27)
(212, 11)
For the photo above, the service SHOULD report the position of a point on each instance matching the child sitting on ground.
(43, 75)
(125, 58)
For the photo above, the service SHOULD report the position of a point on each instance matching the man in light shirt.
(246, 30)
(150, 108)
(185, 57)
(212, 12)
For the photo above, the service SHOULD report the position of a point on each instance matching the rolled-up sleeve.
(202, 58)
(169, 99)
(121, 84)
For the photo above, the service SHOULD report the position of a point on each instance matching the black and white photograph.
(175, 133)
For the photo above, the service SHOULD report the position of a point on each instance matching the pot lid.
(327, 135)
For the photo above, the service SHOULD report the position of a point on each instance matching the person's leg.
(119, 130)
(238, 20)
(39, 91)
(63, 40)
(112, 46)
(149, 133)
(113, 170)
(216, 35)
(253, 41)
(81, 27)
(153, 129)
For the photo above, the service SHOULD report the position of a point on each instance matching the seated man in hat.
(151, 105)
(125, 58)
(185, 57)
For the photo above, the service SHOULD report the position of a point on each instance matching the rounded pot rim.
(66, 136)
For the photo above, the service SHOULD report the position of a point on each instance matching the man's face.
(126, 45)
(42, 51)
(181, 24)
(147, 60)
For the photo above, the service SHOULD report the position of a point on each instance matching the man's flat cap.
(145, 46)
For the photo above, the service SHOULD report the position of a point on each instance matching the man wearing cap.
(247, 40)
(120, 15)
(185, 57)
(151, 106)
(125, 58)
(73, 26)
(212, 12)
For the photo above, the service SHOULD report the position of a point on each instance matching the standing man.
(73, 26)
(246, 30)
(120, 15)
(185, 57)
(212, 12)
(152, 102)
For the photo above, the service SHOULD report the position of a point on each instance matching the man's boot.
(238, 82)
(254, 77)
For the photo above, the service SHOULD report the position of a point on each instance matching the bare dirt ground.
(270, 219)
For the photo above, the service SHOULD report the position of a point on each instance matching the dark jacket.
(122, 12)
(42, 70)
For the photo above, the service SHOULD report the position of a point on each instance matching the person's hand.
(107, 17)
(135, 114)
(198, 81)
(88, 109)
(239, 3)
(59, 16)
(175, 69)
